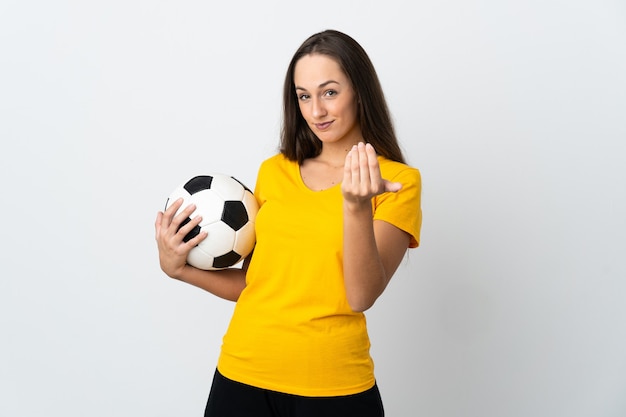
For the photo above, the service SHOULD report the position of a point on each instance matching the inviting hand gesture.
(362, 179)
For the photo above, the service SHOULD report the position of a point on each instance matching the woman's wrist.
(357, 206)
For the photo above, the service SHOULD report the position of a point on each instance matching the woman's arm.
(372, 250)
(173, 251)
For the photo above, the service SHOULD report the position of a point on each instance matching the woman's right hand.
(173, 250)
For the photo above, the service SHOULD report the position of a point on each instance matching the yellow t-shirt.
(292, 329)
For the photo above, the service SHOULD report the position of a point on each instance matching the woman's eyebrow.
(322, 85)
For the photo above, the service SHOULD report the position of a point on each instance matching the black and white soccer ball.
(228, 209)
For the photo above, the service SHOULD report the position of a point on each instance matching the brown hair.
(297, 141)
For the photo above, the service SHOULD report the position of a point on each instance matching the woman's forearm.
(226, 283)
(364, 275)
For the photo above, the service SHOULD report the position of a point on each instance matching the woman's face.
(327, 100)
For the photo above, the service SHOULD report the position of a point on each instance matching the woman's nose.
(318, 108)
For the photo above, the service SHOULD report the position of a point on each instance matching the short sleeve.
(403, 208)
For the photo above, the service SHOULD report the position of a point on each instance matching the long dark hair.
(297, 141)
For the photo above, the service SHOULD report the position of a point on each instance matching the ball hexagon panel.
(200, 259)
(220, 239)
(227, 187)
(245, 239)
(209, 205)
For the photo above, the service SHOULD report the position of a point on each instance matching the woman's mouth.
(323, 126)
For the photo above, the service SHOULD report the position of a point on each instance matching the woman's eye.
(331, 93)
(303, 96)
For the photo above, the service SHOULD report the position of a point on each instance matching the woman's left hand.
(362, 179)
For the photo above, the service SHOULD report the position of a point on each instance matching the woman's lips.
(323, 126)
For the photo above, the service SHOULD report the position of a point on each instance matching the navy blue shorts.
(229, 398)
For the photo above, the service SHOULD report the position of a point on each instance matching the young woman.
(338, 210)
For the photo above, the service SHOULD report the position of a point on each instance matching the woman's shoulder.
(276, 159)
(392, 169)
(276, 163)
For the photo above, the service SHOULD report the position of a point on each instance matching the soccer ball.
(228, 209)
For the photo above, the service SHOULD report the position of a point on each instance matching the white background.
(514, 111)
